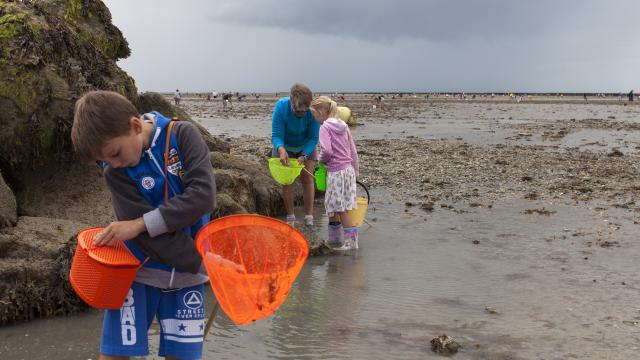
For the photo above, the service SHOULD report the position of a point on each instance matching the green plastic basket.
(321, 177)
(282, 174)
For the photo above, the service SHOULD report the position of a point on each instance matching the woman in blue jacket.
(294, 133)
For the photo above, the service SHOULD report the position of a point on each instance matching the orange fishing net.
(252, 261)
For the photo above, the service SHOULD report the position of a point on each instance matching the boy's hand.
(119, 231)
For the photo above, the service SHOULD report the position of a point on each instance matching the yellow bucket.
(357, 215)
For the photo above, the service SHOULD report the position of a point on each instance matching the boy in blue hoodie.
(163, 190)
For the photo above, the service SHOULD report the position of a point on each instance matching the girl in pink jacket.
(338, 153)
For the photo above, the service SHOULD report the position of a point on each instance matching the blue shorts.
(179, 312)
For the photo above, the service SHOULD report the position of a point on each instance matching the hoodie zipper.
(153, 159)
(159, 168)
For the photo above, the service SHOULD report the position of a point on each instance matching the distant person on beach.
(177, 97)
(378, 102)
(226, 101)
(156, 223)
(294, 134)
(338, 153)
(631, 95)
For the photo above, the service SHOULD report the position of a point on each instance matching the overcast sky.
(370, 45)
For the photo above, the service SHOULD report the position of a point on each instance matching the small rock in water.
(444, 345)
(491, 310)
(427, 206)
(541, 211)
(615, 153)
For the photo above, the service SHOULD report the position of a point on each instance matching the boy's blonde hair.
(324, 104)
(300, 97)
(99, 116)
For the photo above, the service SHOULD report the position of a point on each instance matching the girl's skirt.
(341, 191)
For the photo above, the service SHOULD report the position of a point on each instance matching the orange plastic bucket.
(102, 276)
(252, 261)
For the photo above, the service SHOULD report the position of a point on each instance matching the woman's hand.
(119, 231)
(284, 156)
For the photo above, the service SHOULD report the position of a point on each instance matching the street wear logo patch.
(193, 299)
(148, 182)
(174, 165)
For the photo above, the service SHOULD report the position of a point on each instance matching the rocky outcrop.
(76, 193)
(34, 263)
(51, 52)
(8, 206)
(244, 185)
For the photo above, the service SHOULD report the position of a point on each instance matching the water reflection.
(419, 275)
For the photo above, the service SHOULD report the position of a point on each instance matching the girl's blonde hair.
(324, 104)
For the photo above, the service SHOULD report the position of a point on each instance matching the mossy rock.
(35, 258)
(53, 51)
(8, 205)
(249, 182)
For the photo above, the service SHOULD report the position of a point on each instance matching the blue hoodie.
(294, 133)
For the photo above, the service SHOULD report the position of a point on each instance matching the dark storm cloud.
(394, 45)
(432, 20)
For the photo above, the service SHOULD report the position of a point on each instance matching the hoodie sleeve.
(326, 150)
(355, 161)
(277, 127)
(312, 135)
(175, 249)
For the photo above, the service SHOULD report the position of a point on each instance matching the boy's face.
(124, 151)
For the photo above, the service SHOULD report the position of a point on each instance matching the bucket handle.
(366, 189)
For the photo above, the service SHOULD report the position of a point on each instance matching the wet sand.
(508, 226)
